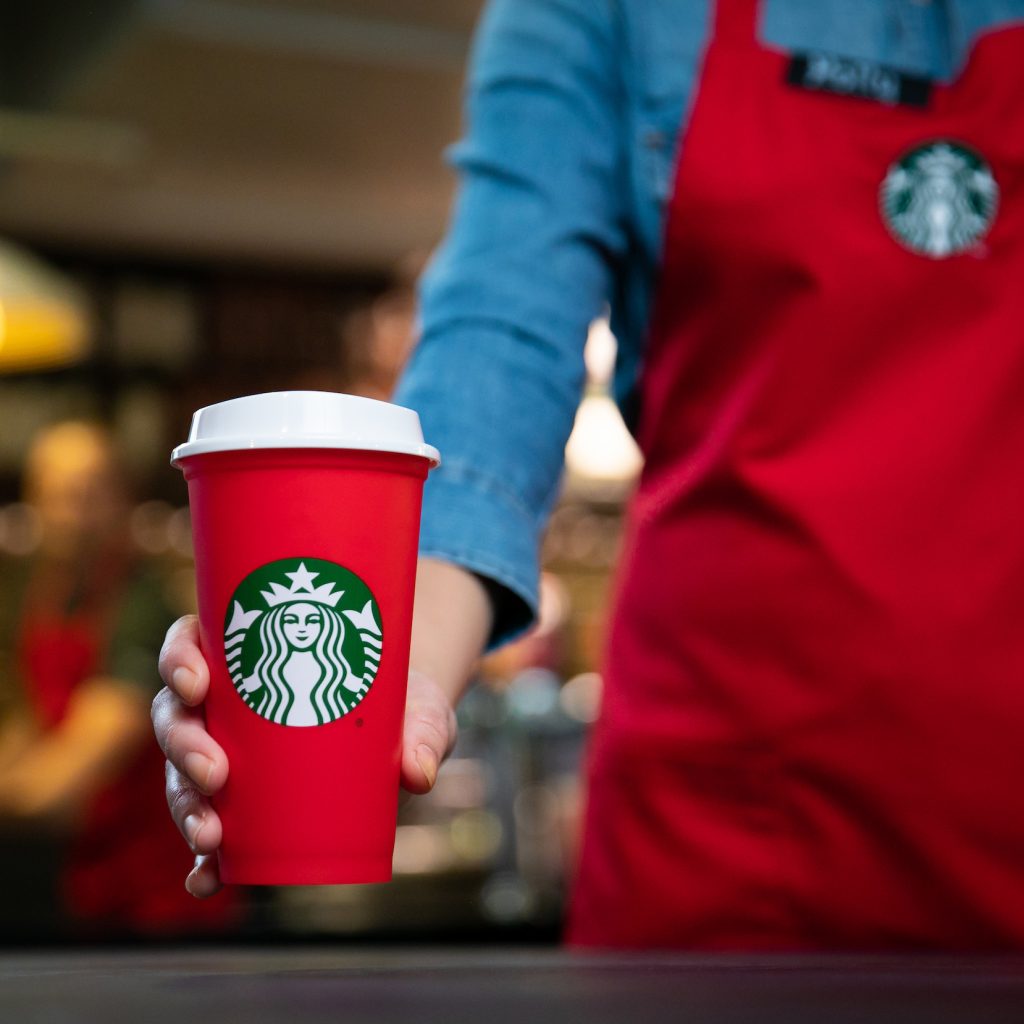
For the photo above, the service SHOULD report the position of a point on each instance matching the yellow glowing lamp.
(43, 319)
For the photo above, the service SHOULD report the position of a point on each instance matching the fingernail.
(193, 826)
(199, 768)
(427, 761)
(184, 680)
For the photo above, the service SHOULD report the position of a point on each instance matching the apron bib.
(813, 730)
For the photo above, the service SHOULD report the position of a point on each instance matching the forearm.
(17, 734)
(451, 624)
(105, 725)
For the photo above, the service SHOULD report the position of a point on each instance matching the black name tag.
(847, 76)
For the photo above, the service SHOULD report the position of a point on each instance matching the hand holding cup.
(197, 766)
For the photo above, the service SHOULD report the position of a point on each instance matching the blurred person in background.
(81, 623)
(809, 222)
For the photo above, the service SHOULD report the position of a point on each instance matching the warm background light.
(43, 320)
(601, 448)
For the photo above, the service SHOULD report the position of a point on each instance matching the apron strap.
(737, 21)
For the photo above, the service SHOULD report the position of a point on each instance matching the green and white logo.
(939, 199)
(303, 641)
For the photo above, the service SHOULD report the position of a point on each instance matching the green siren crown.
(302, 589)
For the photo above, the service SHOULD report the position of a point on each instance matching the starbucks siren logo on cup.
(303, 641)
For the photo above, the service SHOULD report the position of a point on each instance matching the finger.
(428, 736)
(204, 881)
(182, 736)
(196, 819)
(182, 665)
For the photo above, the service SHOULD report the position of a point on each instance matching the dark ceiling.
(306, 132)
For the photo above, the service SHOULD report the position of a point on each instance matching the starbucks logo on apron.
(303, 641)
(939, 199)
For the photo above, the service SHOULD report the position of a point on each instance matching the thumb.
(428, 734)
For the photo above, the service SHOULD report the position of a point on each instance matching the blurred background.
(201, 199)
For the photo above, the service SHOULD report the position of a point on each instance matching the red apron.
(813, 732)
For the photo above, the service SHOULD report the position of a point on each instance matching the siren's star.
(240, 619)
(302, 578)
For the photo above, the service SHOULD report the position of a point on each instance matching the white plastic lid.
(305, 419)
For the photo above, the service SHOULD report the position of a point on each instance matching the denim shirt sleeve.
(537, 231)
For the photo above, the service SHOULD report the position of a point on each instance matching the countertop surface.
(217, 985)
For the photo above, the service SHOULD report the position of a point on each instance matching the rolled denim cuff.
(474, 521)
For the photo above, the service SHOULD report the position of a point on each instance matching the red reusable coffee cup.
(305, 517)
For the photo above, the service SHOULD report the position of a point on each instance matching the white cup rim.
(305, 420)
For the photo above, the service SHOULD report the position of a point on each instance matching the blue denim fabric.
(576, 112)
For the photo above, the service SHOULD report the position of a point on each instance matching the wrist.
(451, 622)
